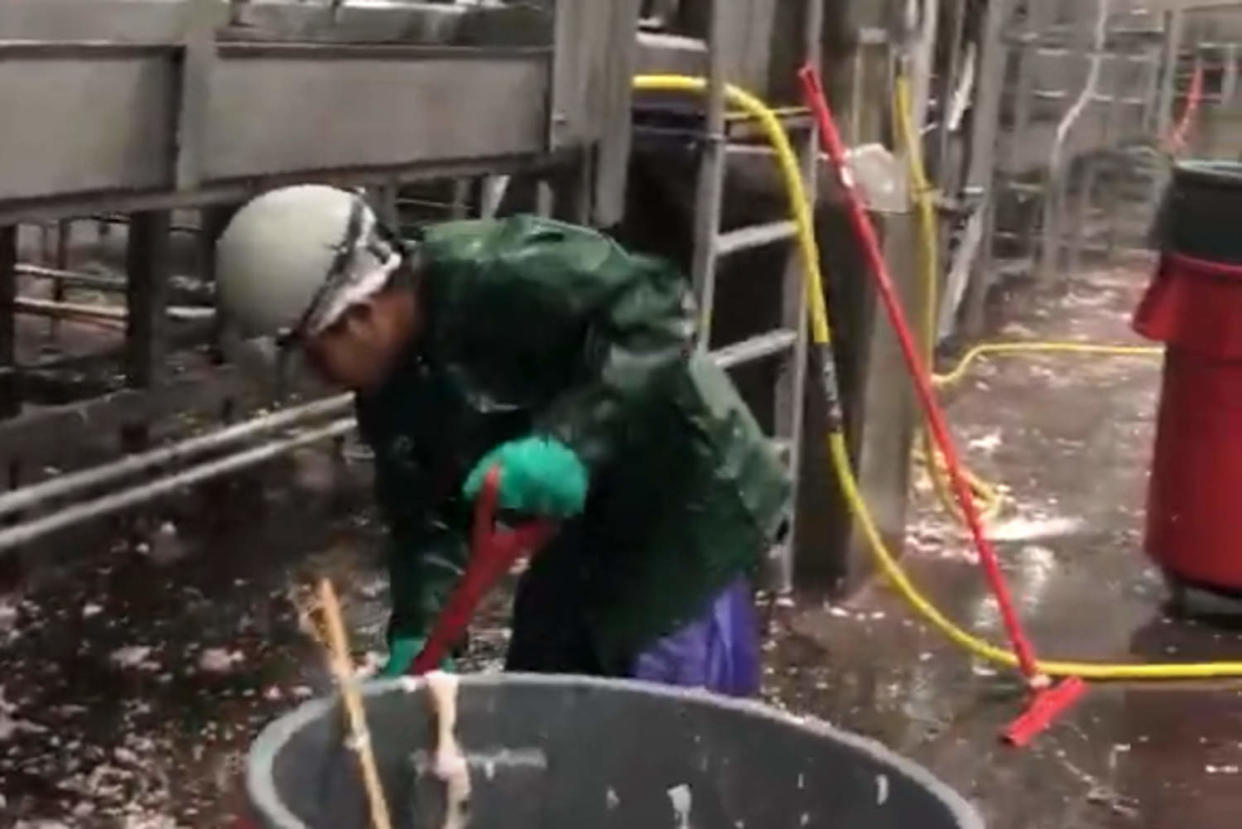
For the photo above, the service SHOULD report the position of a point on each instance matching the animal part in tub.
(449, 765)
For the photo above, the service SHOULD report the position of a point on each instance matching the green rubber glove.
(538, 476)
(402, 652)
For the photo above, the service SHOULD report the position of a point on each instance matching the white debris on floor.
(219, 660)
(143, 682)
(134, 656)
(8, 615)
(1030, 528)
(11, 726)
(987, 444)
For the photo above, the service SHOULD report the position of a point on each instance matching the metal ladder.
(789, 341)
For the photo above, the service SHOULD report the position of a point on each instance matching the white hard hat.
(293, 259)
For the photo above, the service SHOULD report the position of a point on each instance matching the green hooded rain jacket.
(539, 327)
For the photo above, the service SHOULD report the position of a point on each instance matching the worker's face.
(360, 349)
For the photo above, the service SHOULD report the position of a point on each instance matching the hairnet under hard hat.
(293, 260)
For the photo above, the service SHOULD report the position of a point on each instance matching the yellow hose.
(998, 349)
(987, 494)
(821, 333)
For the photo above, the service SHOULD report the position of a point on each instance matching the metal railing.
(79, 484)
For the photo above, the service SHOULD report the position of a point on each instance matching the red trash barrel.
(1194, 305)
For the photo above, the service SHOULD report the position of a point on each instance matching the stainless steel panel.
(273, 111)
(115, 21)
(73, 123)
(661, 53)
(165, 21)
(399, 23)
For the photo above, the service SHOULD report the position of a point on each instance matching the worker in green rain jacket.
(549, 351)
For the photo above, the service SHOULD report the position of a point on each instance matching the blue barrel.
(575, 753)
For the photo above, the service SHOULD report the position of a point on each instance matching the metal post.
(494, 190)
(923, 65)
(1229, 81)
(1078, 227)
(792, 381)
(460, 206)
(64, 228)
(710, 192)
(1112, 134)
(385, 203)
(810, 174)
(1151, 90)
(573, 189)
(1056, 196)
(616, 106)
(544, 198)
(947, 87)
(147, 298)
(10, 384)
(212, 222)
(1174, 26)
(197, 59)
(985, 121)
(46, 249)
(858, 73)
(1037, 18)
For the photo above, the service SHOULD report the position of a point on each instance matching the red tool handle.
(834, 146)
(1044, 708)
(493, 553)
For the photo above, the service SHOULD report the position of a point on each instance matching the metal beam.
(51, 207)
(111, 125)
(265, 100)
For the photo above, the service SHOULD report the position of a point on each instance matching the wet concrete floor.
(1070, 436)
(132, 680)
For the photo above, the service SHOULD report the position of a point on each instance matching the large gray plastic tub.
(576, 753)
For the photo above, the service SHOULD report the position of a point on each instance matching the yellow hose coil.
(988, 493)
(821, 333)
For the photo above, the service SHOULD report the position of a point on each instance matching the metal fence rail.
(135, 108)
